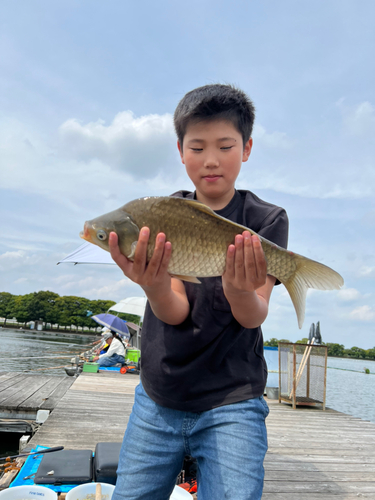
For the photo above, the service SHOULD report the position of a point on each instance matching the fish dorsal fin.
(197, 205)
(200, 206)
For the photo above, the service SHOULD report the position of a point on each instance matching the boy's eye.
(226, 148)
(197, 149)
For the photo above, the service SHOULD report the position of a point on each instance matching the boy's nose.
(211, 161)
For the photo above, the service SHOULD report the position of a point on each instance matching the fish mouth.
(85, 234)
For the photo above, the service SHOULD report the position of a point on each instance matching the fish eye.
(101, 235)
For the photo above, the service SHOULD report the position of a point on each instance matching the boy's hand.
(148, 276)
(246, 266)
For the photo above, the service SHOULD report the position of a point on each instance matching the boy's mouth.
(212, 178)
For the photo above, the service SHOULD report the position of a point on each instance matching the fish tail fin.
(309, 274)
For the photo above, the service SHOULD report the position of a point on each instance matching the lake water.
(349, 389)
(30, 351)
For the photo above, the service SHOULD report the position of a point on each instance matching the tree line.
(337, 350)
(64, 311)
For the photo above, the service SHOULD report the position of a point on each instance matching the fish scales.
(200, 239)
(199, 242)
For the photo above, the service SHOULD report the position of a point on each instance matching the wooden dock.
(95, 409)
(22, 395)
(313, 454)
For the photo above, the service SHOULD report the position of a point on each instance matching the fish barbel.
(200, 239)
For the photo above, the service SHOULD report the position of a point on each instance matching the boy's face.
(213, 153)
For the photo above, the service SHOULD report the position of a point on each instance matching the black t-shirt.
(210, 360)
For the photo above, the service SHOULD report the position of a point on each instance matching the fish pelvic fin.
(309, 274)
(190, 279)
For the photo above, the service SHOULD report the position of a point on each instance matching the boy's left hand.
(246, 266)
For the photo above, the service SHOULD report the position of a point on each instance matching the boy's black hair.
(215, 102)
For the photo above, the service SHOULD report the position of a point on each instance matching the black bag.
(106, 462)
(68, 466)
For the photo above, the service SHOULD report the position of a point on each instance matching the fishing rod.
(40, 357)
(48, 450)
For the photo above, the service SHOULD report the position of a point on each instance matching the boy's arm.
(166, 295)
(246, 284)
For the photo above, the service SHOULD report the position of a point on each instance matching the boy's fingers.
(229, 265)
(259, 257)
(163, 268)
(250, 263)
(116, 254)
(156, 259)
(140, 255)
(239, 255)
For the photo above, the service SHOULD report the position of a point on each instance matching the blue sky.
(87, 94)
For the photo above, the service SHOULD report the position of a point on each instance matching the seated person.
(116, 352)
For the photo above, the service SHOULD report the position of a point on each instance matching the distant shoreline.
(50, 332)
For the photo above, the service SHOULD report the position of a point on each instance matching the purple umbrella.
(113, 323)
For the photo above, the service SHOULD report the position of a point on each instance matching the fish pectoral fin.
(190, 279)
(132, 252)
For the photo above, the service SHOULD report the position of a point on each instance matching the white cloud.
(367, 271)
(358, 120)
(275, 140)
(363, 313)
(348, 294)
(140, 146)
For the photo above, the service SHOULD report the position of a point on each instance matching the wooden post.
(308, 378)
(279, 375)
(294, 378)
(325, 379)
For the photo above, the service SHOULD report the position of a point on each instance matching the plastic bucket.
(83, 490)
(272, 392)
(180, 494)
(133, 355)
(31, 492)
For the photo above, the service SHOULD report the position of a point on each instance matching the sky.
(87, 94)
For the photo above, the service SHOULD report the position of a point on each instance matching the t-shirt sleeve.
(275, 228)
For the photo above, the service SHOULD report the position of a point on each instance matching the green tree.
(6, 306)
(23, 310)
(356, 352)
(274, 342)
(370, 353)
(305, 340)
(42, 306)
(335, 349)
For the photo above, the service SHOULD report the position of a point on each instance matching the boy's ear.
(180, 151)
(247, 149)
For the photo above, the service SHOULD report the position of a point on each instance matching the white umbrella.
(131, 305)
(88, 254)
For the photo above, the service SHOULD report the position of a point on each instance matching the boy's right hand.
(151, 276)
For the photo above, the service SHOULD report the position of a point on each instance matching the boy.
(203, 371)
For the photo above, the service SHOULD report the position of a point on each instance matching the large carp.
(200, 239)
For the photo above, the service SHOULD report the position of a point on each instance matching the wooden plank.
(312, 496)
(322, 487)
(41, 395)
(335, 462)
(8, 477)
(20, 392)
(308, 466)
(10, 381)
(57, 394)
(7, 375)
(319, 476)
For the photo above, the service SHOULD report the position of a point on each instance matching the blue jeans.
(111, 360)
(229, 443)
